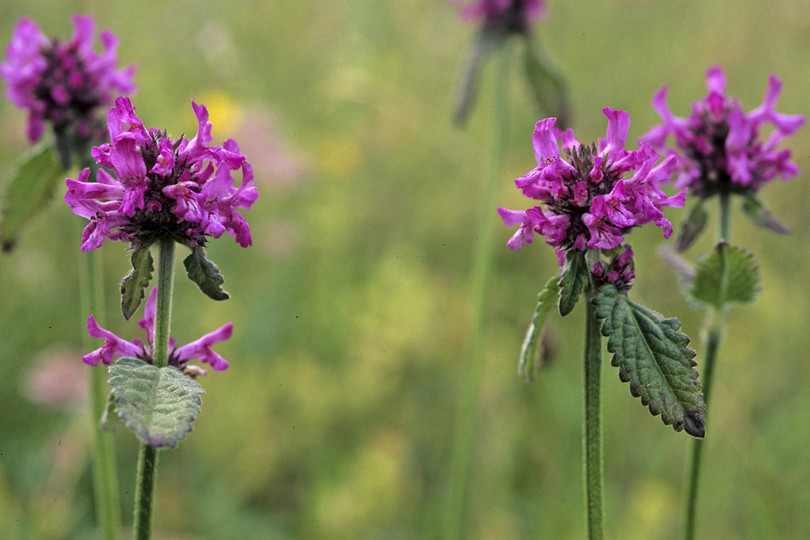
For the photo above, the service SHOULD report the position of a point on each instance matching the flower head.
(720, 147)
(619, 271)
(510, 15)
(591, 195)
(117, 347)
(63, 83)
(181, 188)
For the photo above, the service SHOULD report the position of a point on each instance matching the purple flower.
(592, 195)
(63, 82)
(720, 147)
(182, 188)
(117, 347)
(512, 15)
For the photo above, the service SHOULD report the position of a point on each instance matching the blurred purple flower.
(589, 201)
(719, 147)
(513, 15)
(179, 188)
(54, 380)
(117, 347)
(64, 83)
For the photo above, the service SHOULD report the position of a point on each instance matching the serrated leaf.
(692, 225)
(205, 274)
(546, 300)
(547, 87)
(158, 404)
(32, 185)
(762, 217)
(729, 274)
(652, 355)
(573, 280)
(485, 41)
(135, 282)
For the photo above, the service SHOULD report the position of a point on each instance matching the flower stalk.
(482, 269)
(592, 435)
(147, 458)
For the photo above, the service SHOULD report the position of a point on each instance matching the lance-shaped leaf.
(136, 281)
(692, 225)
(729, 274)
(573, 280)
(485, 41)
(547, 87)
(654, 358)
(158, 404)
(529, 357)
(205, 274)
(32, 184)
(761, 216)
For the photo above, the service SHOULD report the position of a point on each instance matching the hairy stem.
(482, 266)
(592, 436)
(147, 459)
(712, 335)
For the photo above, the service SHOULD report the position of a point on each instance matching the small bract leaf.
(573, 280)
(158, 404)
(136, 281)
(654, 358)
(529, 358)
(32, 184)
(205, 274)
(692, 225)
(729, 274)
(761, 216)
(547, 87)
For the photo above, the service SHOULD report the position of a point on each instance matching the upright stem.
(482, 266)
(711, 339)
(592, 436)
(105, 476)
(147, 459)
(712, 335)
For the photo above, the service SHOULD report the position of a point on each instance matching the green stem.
(105, 476)
(724, 220)
(147, 459)
(482, 266)
(592, 436)
(712, 336)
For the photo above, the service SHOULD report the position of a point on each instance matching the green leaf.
(136, 281)
(729, 274)
(573, 280)
(205, 274)
(654, 358)
(32, 185)
(547, 87)
(529, 358)
(109, 420)
(158, 404)
(761, 216)
(692, 225)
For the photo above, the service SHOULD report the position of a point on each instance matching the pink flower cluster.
(588, 199)
(720, 147)
(63, 83)
(515, 15)
(181, 188)
(618, 272)
(114, 346)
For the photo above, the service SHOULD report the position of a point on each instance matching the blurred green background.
(351, 311)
